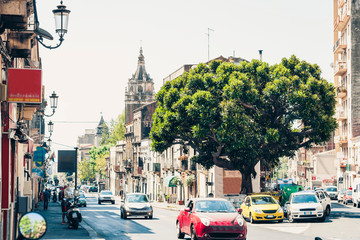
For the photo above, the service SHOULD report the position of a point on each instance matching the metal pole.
(208, 34)
(76, 150)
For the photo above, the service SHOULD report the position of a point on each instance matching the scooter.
(73, 214)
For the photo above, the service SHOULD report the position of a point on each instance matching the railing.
(340, 68)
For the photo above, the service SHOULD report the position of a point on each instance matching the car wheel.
(280, 221)
(290, 218)
(357, 205)
(151, 217)
(327, 211)
(251, 219)
(124, 215)
(85, 205)
(180, 235)
(193, 233)
(322, 219)
(99, 202)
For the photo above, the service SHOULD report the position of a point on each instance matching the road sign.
(183, 174)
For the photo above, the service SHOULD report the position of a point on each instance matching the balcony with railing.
(342, 115)
(342, 19)
(340, 68)
(341, 3)
(341, 92)
(340, 46)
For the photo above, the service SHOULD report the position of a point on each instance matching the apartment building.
(347, 82)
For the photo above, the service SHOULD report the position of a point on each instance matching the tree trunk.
(246, 183)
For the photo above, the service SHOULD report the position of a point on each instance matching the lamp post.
(61, 15)
(53, 104)
(50, 127)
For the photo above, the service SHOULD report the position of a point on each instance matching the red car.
(211, 218)
(347, 197)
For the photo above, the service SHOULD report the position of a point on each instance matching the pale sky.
(90, 70)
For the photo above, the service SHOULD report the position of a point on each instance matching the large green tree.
(237, 115)
(87, 170)
(114, 131)
(98, 156)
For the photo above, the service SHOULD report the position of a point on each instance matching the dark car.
(82, 200)
(210, 218)
(136, 204)
(93, 189)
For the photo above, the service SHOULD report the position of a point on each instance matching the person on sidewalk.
(46, 197)
(63, 204)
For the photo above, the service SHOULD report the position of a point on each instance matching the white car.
(325, 201)
(332, 191)
(305, 205)
(106, 196)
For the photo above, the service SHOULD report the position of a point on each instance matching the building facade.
(347, 82)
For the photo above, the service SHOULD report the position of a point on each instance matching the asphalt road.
(105, 222)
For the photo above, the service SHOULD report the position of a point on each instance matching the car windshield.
(331, 189)
(214, 206)
(137, 198)
(106, 193)
(348, 192)
(262, 200)
(304, 198)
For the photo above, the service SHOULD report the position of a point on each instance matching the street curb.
(167, 208)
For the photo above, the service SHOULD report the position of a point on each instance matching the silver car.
(136, 204)
(106, 196)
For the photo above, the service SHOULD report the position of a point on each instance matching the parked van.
(356, 192)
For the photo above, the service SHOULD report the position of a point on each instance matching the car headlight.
(280, 210)
(319, 208)
(240, 221)
(205, 221)
(257, 210)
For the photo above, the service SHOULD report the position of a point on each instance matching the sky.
(90, 70)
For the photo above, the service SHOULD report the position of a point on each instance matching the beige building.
(347, 83)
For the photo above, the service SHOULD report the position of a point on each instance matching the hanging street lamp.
(61, 15)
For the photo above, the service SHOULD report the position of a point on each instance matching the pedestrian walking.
(46, 198)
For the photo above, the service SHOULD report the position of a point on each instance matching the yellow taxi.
(262, 208)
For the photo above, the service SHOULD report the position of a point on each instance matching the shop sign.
(38, 172)
(39, 156)
(24, 85)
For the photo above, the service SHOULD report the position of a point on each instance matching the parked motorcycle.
(73, 214)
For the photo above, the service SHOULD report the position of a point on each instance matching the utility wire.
(62, 145)
(72, 122)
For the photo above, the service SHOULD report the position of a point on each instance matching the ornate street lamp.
(51, 127)
(61, 15)
(49, 142)
(53, 104)
(54, 100)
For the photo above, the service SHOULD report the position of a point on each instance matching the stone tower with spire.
(139, 91)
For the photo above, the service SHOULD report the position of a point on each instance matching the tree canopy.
(237, 115)
(113, 132)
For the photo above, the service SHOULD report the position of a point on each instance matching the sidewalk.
(56, 230)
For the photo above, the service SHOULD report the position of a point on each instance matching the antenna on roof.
(208, 34)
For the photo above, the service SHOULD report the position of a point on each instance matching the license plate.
(307, 213)
(270, 216)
